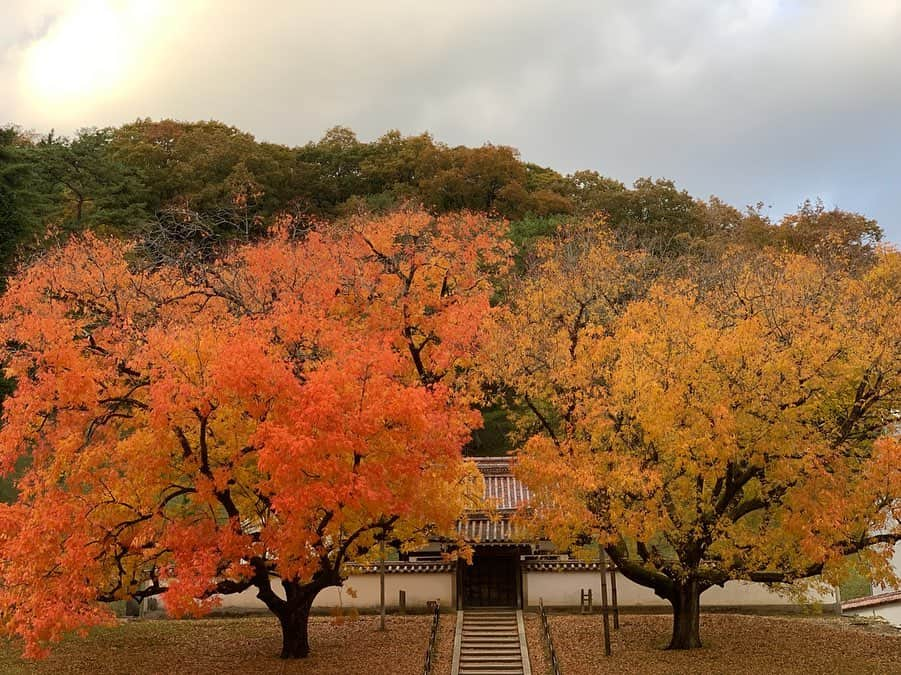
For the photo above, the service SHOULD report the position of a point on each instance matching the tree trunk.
(295, 634)
(295, 620)
(686, 601)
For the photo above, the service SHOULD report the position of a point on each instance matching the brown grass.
(732, 644)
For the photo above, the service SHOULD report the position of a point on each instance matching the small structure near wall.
(495, 576)
(885, 600)
(885, 606)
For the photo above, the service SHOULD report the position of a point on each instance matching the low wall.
(420, 589)
(890, 612)
(562, 589)
(362, 591)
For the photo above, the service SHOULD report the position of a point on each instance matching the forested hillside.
(126, 180)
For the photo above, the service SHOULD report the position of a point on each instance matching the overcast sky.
(751, 100)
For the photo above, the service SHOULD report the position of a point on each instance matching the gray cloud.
(747, 99)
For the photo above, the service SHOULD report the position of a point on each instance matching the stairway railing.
(433, 637)
(548, 642)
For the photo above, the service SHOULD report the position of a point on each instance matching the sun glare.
(88, 52)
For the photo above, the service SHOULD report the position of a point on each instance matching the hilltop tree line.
(124, 180)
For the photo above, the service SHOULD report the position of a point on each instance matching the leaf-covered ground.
(732, 644)
(245, 645)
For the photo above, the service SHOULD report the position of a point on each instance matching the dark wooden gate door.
(491, 580)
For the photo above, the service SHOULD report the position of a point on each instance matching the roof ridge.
(877, 599)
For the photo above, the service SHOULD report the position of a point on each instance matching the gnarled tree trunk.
(294, 618)
(294, 611)
(686, 601)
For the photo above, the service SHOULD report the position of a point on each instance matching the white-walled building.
(885, 601)
(507, 571)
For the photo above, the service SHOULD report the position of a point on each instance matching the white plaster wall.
(561, 589)
(891, 612)
(420, 589)
(749, 593)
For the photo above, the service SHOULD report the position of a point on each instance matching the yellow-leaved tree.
(738, 423)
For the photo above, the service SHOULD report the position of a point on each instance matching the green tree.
(90, 186)
(16, 222)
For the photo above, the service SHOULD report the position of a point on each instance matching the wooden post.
(613, 598)
(402, 601)
(604, 607)
(382, 584)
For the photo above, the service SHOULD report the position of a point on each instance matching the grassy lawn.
(732, 644)
(244, 645)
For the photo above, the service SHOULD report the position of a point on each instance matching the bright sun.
(88, 52)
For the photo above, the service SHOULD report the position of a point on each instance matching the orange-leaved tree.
(738, 425)
(250, 423)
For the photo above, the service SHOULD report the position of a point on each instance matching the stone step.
(488, 642)
(490, 626)
(492, 658)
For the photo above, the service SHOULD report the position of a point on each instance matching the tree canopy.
(733, 425)
(271, 414)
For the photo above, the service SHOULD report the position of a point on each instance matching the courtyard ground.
(733, 644)
(239, 645)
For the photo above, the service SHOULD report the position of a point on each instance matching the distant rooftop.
(504, 493)
(873, 600)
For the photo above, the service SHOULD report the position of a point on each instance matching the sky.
(768, 101)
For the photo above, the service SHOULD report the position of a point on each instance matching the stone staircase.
(490, 642)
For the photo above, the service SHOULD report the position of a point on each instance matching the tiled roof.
(402, 567)
(873, 600)
(503, 495)
(486, 530)
(502, 490)
(563, 565)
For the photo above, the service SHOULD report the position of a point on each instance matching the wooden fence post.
(382, 584)
(604, 608)
(613, 598)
